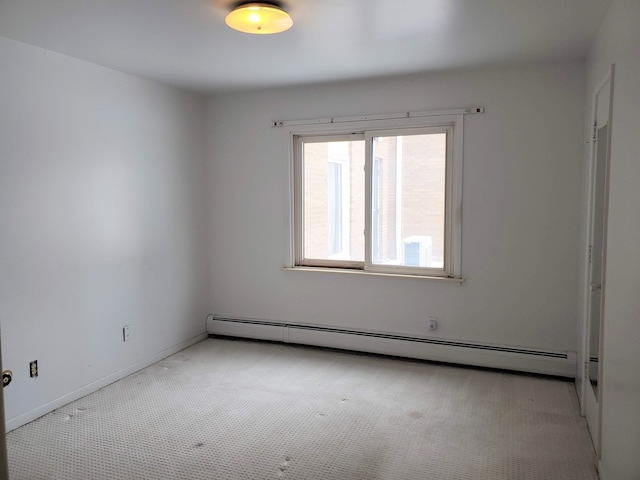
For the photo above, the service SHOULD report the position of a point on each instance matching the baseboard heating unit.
(440, 350)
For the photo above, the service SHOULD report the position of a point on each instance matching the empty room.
(320, 239)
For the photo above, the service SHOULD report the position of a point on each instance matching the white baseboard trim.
(435, 349)
(31, 415)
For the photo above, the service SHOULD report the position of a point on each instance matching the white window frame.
(335, 261)
(354, 130)
(403, 269)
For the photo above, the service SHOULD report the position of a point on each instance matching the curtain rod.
(384, 116)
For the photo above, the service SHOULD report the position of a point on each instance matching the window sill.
(374, 274)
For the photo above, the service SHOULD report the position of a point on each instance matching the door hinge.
(590, 252)
(594, 134)
(586, 370)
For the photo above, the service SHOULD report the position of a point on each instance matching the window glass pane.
(408, 200)
(333, 213)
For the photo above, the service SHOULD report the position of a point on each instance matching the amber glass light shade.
(259, 18)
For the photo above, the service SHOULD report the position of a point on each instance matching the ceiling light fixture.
(259, 18)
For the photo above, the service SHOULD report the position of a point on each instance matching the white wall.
(102, 224)
(619, 42)
(520, 216)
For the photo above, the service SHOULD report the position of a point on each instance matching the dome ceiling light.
(259, 18)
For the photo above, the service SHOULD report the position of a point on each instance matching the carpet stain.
(283, 467)
(415, 415)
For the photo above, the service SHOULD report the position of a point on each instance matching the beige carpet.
(235, 409)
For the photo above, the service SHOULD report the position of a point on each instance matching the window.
(383, 197)
(332, 200)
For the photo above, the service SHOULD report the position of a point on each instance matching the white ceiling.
(186, 42)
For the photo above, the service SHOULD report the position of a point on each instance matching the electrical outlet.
(432, 322)
(125, 333)
(33, 369)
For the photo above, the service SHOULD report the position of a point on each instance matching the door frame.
(4, 468)
(592, 406)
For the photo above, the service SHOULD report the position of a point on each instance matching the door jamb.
(587, 273)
